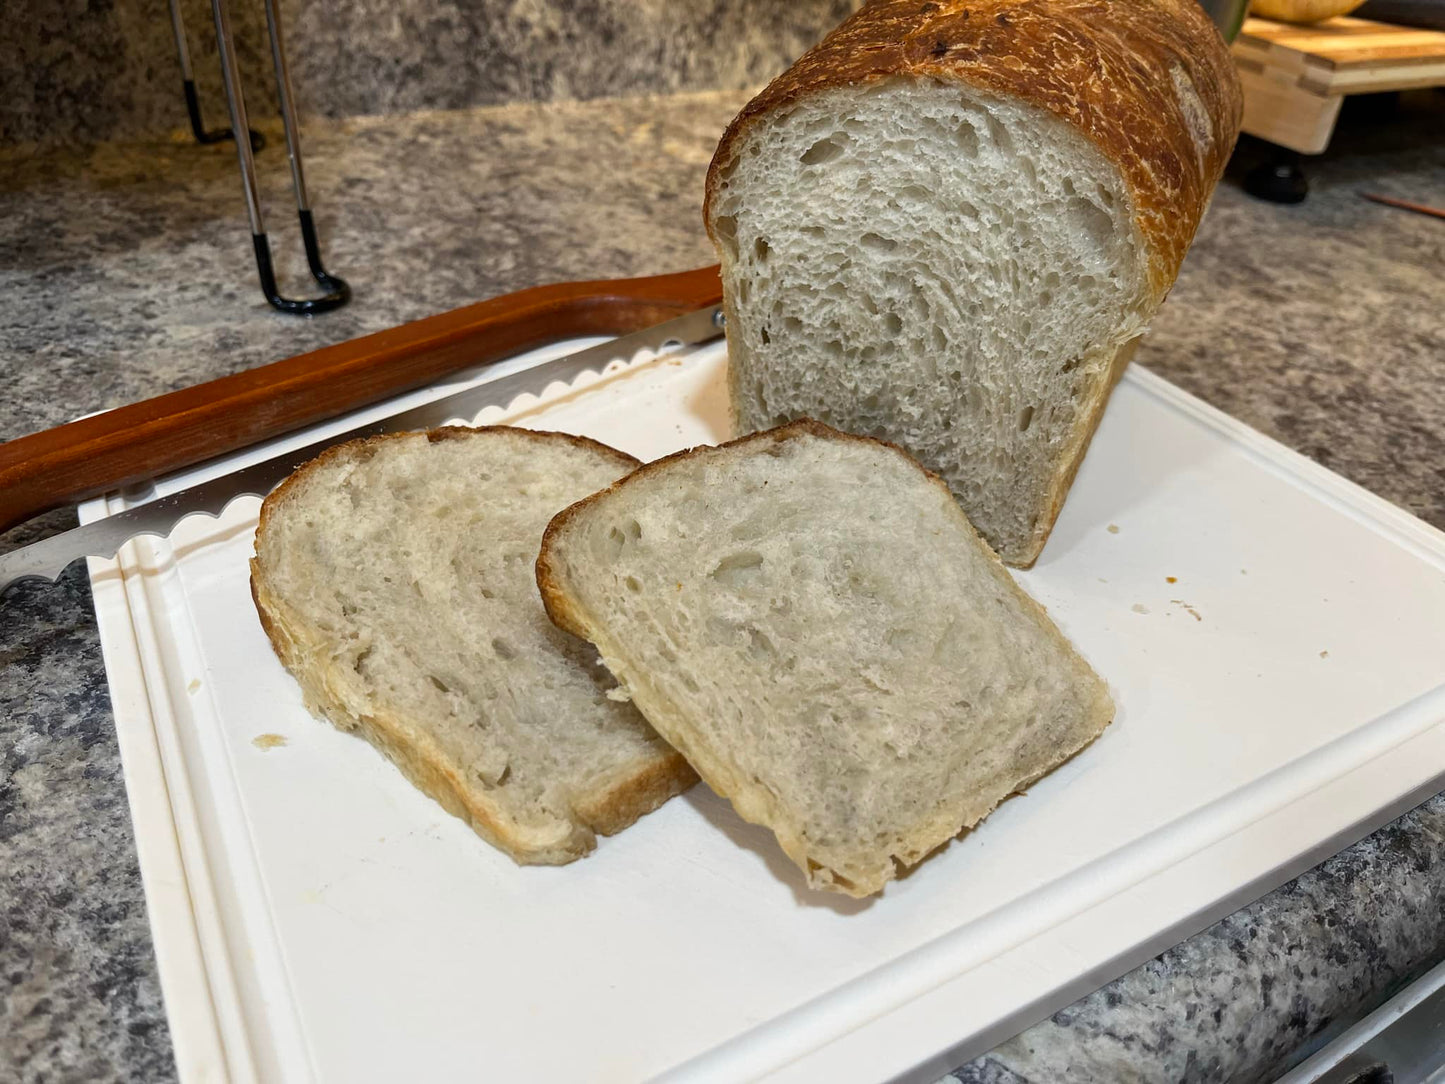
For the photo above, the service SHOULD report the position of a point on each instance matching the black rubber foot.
(1280, 181)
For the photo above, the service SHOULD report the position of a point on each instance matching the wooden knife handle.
(137, 442)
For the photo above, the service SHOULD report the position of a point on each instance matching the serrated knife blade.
(48, 558)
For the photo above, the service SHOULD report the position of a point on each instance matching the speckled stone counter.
(126, 271)
(115, 74)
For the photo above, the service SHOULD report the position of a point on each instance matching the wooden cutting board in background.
(1295, 77)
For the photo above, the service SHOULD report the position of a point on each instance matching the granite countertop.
(128, 272)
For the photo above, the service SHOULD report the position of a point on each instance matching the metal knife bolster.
(48, 558)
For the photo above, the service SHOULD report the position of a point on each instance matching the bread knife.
(48, 558)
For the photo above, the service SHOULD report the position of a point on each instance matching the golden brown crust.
(611, 806)
(619, 805)
(1150, 82)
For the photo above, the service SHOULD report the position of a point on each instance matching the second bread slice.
(394, 578)
(811, 620)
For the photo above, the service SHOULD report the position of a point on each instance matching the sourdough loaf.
(950, 222)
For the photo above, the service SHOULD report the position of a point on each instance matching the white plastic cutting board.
(1274, 638)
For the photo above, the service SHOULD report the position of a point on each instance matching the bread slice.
(949, 224)
(811, 620)
(394, 577)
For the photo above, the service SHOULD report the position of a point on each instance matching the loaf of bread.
(1302, 11)
(950, 222)
(394, 577)
(809, 618)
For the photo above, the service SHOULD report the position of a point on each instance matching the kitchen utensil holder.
(188, 86)
(337, 292)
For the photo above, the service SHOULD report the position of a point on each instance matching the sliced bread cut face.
(812, 621)
(953, 271)
(394, 577)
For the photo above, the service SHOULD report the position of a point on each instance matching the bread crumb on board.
(1113, 528)
(1190, 610)
(268, 741)
(1139, 608)
(194, 686)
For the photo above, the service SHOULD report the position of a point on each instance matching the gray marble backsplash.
(76, 74)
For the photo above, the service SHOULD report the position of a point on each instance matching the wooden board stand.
(1295, 77)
